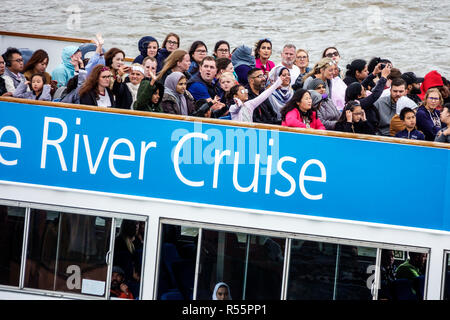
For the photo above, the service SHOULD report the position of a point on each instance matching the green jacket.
(144, 97)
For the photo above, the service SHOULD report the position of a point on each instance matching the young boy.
(444, 134)
(408, 116)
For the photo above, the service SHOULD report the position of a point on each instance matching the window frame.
(79, 211)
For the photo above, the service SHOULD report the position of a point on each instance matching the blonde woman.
(323, 70)
(428, 117)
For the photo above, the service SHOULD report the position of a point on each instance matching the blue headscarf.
(243, 56)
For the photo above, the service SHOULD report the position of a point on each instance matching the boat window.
(67, 252)
(222, 259)
(447, 277)
(127, 259)
(326, 271)
(177, 262)
(402, 275)
(11, 239)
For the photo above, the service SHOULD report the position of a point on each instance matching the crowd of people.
(242, 84)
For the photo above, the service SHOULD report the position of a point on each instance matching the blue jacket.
(65, 70)
(414, 134)
(425, 122)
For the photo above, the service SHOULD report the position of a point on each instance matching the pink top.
(269, 65)
(293, 119)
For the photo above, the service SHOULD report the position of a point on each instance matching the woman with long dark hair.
(298, 113)
(37, 64)
(263, 51)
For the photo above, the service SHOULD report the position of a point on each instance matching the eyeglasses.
(106, 77)
(302, 57)
(200, 51)
(20, 60)
(244, 91)
(223, 50)
(433, 98)
(332, 54)
(258, 76)
(172, 42)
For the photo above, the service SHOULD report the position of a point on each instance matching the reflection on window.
(402, 278)
(353, 272)
(177, 263)
(447, 279)
(11, 240)
(264, 272)
(312, 270)
(127, 262)
(67, 252)
(222, 259)
(325, 271)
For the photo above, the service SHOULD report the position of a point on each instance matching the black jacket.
(90, 98)
(356, 127)
(264, 113)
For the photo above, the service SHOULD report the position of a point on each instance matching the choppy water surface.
(414, 35)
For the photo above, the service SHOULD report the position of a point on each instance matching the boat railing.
(328, 133)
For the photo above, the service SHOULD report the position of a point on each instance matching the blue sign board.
(314, 175)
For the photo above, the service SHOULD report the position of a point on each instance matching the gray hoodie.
(387, 110)
(442, 137)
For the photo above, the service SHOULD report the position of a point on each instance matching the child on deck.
(38, 89)
(408, 116)
(243, 108)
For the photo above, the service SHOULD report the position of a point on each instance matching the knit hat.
(312, 85)
(431, 79)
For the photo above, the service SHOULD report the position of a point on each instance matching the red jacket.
(293, 119)
(431, 79)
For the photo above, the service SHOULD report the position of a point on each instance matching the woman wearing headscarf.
(221, 292)
(326, 109)
(177, 100)
(243, 62)
(284, 93)
(148, 47)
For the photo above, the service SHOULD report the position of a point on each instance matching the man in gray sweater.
(387, 105)
(444, 134)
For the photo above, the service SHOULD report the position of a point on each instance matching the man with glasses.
(14, 66)
(264, 113)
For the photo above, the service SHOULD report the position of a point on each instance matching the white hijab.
(218, 285)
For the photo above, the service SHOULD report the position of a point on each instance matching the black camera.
(202, 108)
(382, 66)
